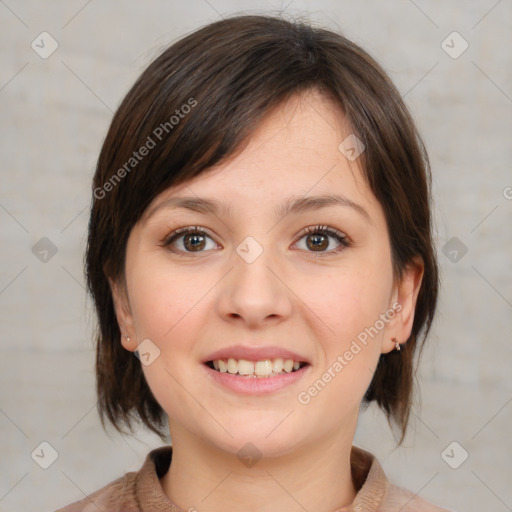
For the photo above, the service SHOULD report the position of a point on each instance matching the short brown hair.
(230, 74)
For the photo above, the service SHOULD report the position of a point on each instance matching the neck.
(315, 477)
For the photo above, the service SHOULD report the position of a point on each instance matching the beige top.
(141, 491)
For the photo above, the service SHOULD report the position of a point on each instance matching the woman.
(260, 239)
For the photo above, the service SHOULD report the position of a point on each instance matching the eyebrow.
(292, 205)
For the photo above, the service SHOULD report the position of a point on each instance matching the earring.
(127, 337)
(397, 345)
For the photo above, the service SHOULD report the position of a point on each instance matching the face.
(272, 267)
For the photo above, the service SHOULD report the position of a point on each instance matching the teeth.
(232, 366)
(245, 367)
(278, 366)
(288, 365)
(265, 368)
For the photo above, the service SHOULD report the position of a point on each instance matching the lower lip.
(255, 385)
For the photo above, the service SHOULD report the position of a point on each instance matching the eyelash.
(319, 229)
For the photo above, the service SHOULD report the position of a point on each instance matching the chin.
(251, 436)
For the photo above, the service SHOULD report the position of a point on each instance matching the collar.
(367, 475)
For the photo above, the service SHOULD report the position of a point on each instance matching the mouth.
(267, 368)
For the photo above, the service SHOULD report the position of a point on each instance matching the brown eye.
(194, 242)
(189, 240)
(318, 239)
(317, 242)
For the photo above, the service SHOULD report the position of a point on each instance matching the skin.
(312, 301)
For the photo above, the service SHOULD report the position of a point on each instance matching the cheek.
(350, 350)
(348, 306)
(161, 299)
(166, 309)
(349, 300)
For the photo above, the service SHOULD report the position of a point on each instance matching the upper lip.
(255, 353)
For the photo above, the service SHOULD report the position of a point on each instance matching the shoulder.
(376, 492)
(133, 492)
(401, 499)
(117, 496)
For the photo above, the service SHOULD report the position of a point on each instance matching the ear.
(405, 295)
(123, 314)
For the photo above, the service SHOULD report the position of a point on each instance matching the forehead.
(295, 151)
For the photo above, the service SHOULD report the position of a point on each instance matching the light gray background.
(55, 113)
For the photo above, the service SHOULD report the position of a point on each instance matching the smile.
(256, 369)
(252, 384)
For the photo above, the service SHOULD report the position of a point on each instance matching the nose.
(256, 293)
